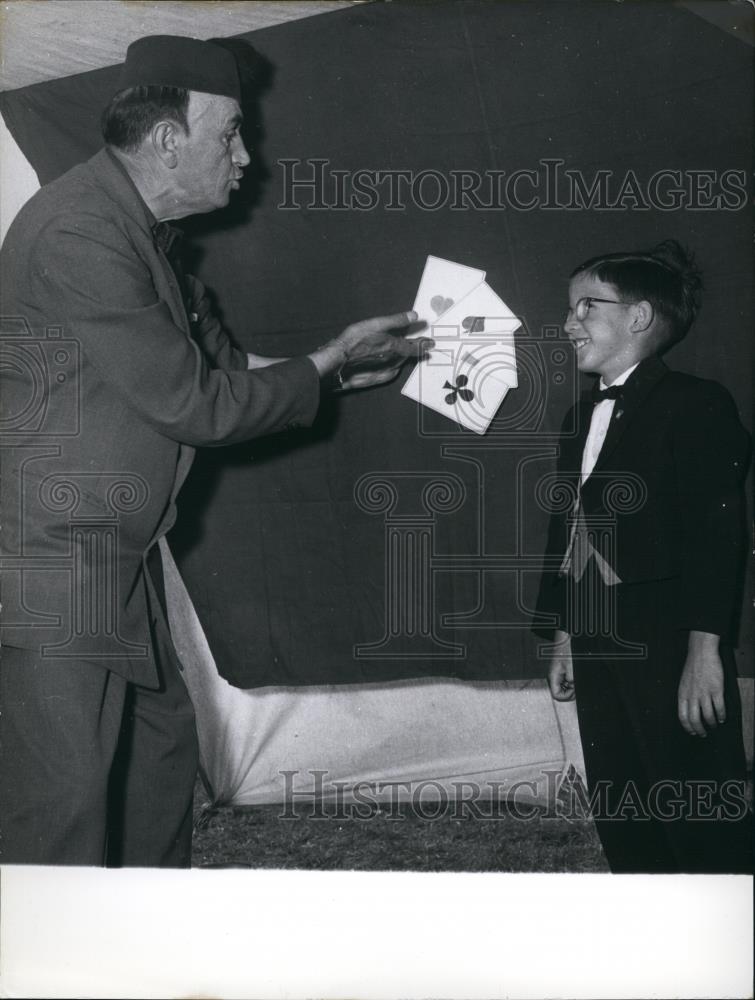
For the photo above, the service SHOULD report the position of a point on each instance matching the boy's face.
(603, 339)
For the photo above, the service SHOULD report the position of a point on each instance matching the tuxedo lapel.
(636, 389)
(572, 448)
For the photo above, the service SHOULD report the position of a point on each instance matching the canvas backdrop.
(282, 542)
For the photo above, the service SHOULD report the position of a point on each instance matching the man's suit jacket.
(667, 486)
(111, 379)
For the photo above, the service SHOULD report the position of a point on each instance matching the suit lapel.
(176, 302)
(636, 389)
(111, 175)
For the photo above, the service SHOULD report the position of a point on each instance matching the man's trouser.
(94, 770)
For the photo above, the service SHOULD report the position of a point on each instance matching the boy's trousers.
(663, 801)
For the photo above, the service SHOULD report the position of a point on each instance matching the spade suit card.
(485, 325)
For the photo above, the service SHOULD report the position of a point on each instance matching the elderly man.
(97, 732)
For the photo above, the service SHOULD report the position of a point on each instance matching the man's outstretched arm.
(366, 354)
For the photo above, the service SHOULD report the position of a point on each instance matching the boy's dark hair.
(127, 120)
(666, 277)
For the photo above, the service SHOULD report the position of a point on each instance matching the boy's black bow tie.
(598, 395)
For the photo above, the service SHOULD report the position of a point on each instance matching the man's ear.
(165, 141)
(643, 315)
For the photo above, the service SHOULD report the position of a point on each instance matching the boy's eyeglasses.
(582, 307)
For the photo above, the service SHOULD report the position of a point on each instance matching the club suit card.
(453, 381)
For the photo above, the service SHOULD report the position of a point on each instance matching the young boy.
(651, 558)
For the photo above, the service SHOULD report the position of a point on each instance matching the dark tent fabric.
(384, 542)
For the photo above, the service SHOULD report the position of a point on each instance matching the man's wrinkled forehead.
(213, 109)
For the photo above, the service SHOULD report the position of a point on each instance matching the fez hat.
(178, 61)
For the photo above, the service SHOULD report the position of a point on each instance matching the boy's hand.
(561, 672)
(701, 688)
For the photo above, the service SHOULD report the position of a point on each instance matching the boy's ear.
(642, 316)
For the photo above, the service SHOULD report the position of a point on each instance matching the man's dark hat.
(177, 61)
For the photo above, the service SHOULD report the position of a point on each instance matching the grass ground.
(392, 838)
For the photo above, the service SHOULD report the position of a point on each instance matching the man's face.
(603, 339)
(212, 157)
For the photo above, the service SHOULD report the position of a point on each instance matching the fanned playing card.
(443, 284)
(450, 383)
(486, 325)
(473, 363)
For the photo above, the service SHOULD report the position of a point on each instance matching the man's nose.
(240, 155)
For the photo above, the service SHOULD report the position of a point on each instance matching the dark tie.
(598, 395)
(167, 238)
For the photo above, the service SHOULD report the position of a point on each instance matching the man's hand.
(371, 352)
(561, 672)
(701, 688)
(363, 375)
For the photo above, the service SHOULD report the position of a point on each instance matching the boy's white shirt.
(601, 418)
(599, 421)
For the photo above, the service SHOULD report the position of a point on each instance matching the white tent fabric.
(18, 180)
(395, 741)
(385, 741)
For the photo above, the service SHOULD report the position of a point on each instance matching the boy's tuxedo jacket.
(670, 475)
